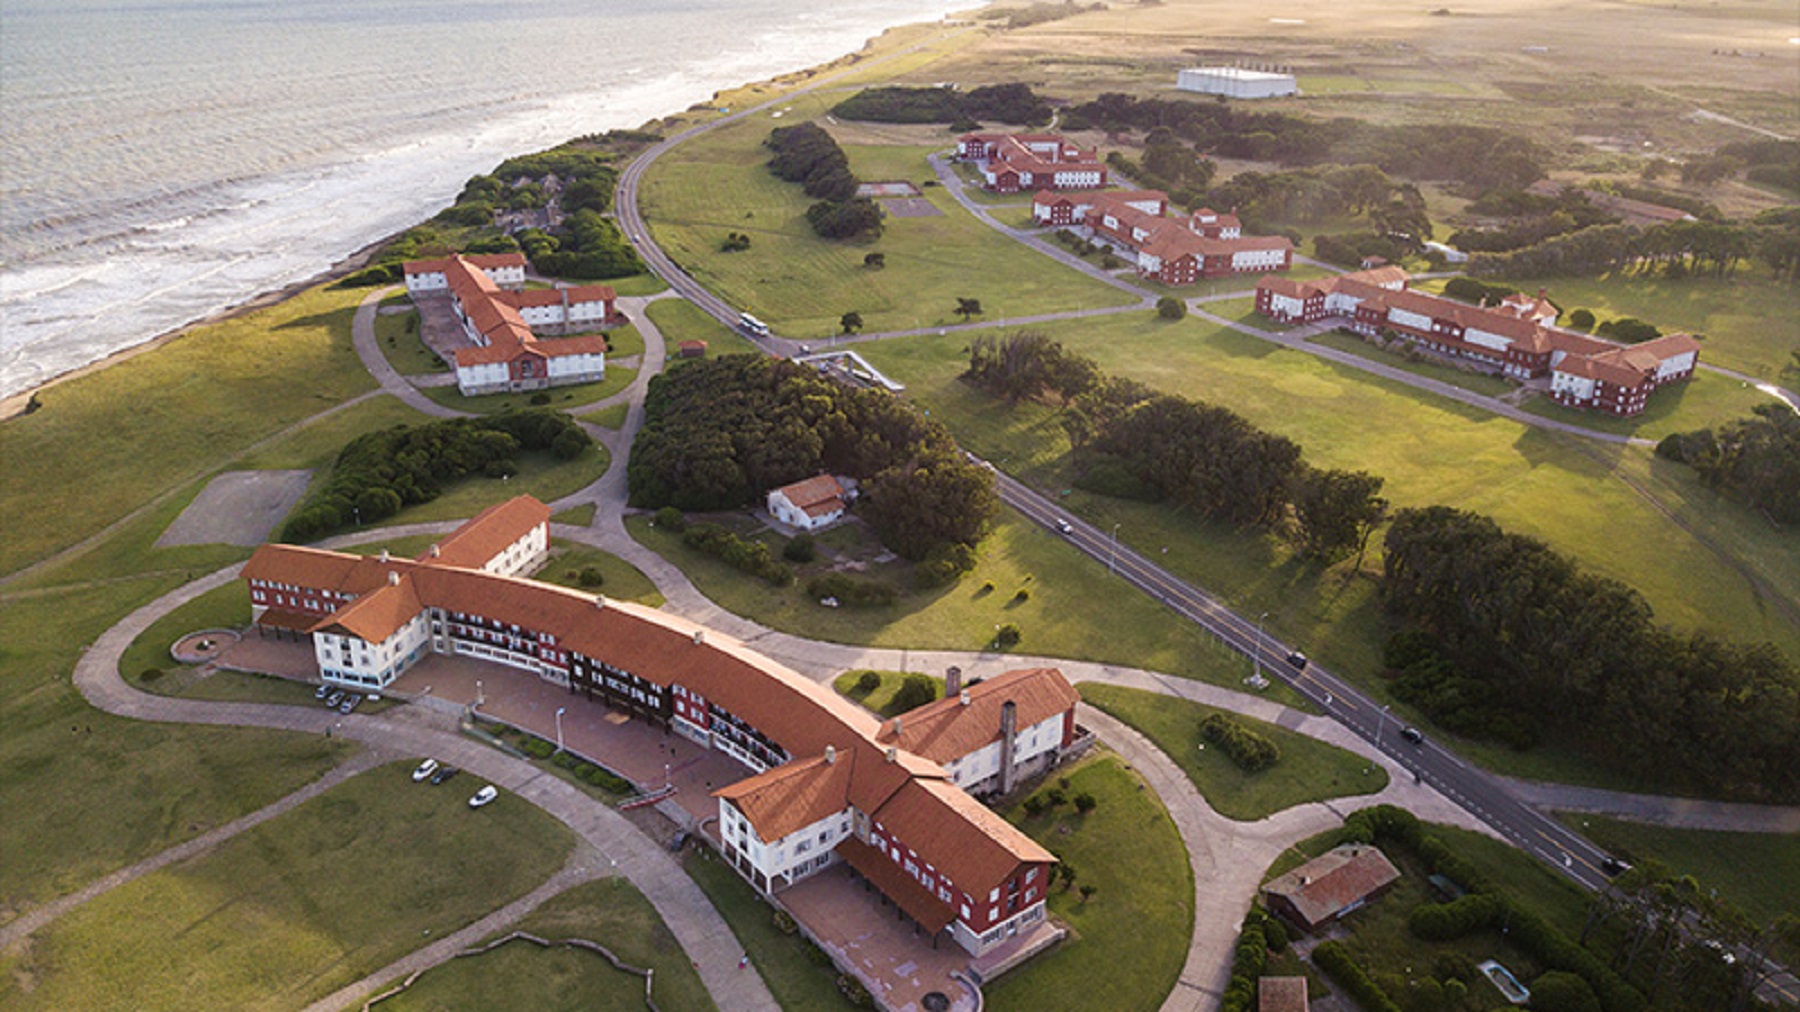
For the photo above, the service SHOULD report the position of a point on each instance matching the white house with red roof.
(827, 781)
(1513, 338)
(811, 504)
(1021, 163)
(1174, 251)
(501, 321)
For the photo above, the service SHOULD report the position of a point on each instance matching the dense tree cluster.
(1530, 219)
(1676, 249)
(1200, 456)
(1771, 162)
(1480, 157)
(378, 473)
(806, 154)
(720, 433)
(995, 103)
(587, 245)
(1576, 652)
(1756, 460)
(1395, 211)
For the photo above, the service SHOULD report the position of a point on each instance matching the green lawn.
(680, 320)
(609, 418)
(1309, 770)
(802, 284)
(1741, 317)
(540, 474)
(619, 579)
(1474, 382)
(1129, 940)
(397, 335)
(521, 975)
(636, 284)
(568, 398)
(1757, 872)
(798, 973)
(579, 516)
(1577, 495)
(1703, 401)
(294, 908)
(1070, 611)
(198, 401)
(879, 700)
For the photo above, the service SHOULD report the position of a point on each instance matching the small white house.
(1236, 82)
(811, 504)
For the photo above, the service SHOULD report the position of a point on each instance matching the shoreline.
(17, 405)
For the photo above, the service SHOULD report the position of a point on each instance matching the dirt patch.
(887, 189)
(237, 508)
(911, 207)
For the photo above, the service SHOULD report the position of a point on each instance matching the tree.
(875, 261)
(966, 308)
(1085, 803)
(851, 322)
(1170, 308)
(1582, 319)
(1088, 889)
(915, 691)
(1336, 511)
(1008, 636)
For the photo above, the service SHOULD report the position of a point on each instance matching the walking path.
(32, 920)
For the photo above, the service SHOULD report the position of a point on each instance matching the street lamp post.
(1112, 555)
(1257, 652)
(665, 776)
(559, 737)
(1380, 719)
(480, 697)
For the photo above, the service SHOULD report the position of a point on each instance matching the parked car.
(426, 768)
(484, 796)
(351, 702)
(336, 697)
(321, 692)
(1413, 734)
(1065, 527)
(1612, 866)
(680, 841)
(443, 774)
(1297, 660)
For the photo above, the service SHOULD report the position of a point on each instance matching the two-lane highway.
(1471, 788)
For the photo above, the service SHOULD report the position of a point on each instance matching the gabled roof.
(1321, 888)
(557, 296)
(918, 901)
(786, 799)
(485, 261)
(320, 569)
(376, 615)
(817, 490)
(948, 729)
(486, 534)
(932, 817)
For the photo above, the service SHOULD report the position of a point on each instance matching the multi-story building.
(1020, 163)
(828, 782)
(501, 320)
(1513, 338)
(1174, 251)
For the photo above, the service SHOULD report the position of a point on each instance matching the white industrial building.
(1236, 82)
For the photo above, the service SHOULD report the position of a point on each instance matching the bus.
(752, 326)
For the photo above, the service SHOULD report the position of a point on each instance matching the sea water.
(161, 160)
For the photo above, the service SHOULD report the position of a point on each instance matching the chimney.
(393, 579)
(436, 552)
(893, 754)
(964, 697)
(952, 681)
(699, 637)
(600, 601)
(897, 728)
(830, 755)
(1009, 719)
(384, 555)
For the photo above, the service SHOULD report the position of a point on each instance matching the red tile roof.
(376, 615)
(787, 799)
(488, 533)
(948, 729)
(918, 901)
(1321, 888)
(933, 818)
(818, 490)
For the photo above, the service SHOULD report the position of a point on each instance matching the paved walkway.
(36, 918)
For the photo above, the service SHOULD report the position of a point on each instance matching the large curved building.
(828, 782)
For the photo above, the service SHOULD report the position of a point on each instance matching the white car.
(426, 768)
(483, 796)
(1065, 528)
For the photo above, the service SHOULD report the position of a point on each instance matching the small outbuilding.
(691, 349)
(1331, 885)
(813, 503)
(1237, 82)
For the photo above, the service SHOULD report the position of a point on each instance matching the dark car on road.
(1413, 734)
(1612, 866)
(443, 774)
(1297, 660)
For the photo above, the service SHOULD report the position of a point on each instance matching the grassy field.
(1758, 873)
(1067, 613)
(521, 975)
(680, 320)
(798, 974)
(570, 398)
(619, 579)
(1476, 383)
(397, 335)
(635, 284)
(1130, 938)
(1575, 494)
(201, 399)
(540, 474)
(579, 516)
(802, 284)
(1309, 770)
(879, 700)
(1703, 401)
(1736, 317)
(294, 908)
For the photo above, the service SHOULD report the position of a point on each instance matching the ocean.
(161, 160)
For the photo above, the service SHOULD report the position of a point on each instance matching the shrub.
(1085, 803)
(149, 675)
(1582, 319)
(800, 548)
(590, 576)
(536, 748)
(538, 400)
(784, 923)
(1008, 636)
(915, 691)
(492, 469)
(751, 557)
(569, 444)
(1023, 595)
(670, 518)
(851, 591)
(1170, 308)
(1251, 751)
(944, 564)
(1337, 964)
(868, 681)
(1561, 991)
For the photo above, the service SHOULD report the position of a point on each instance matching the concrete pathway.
(36, 918)
(362, 333)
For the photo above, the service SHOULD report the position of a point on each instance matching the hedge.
(752, 557)
(1252, 752)
(848, 590)
(1337, 964)
(1247, 965)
